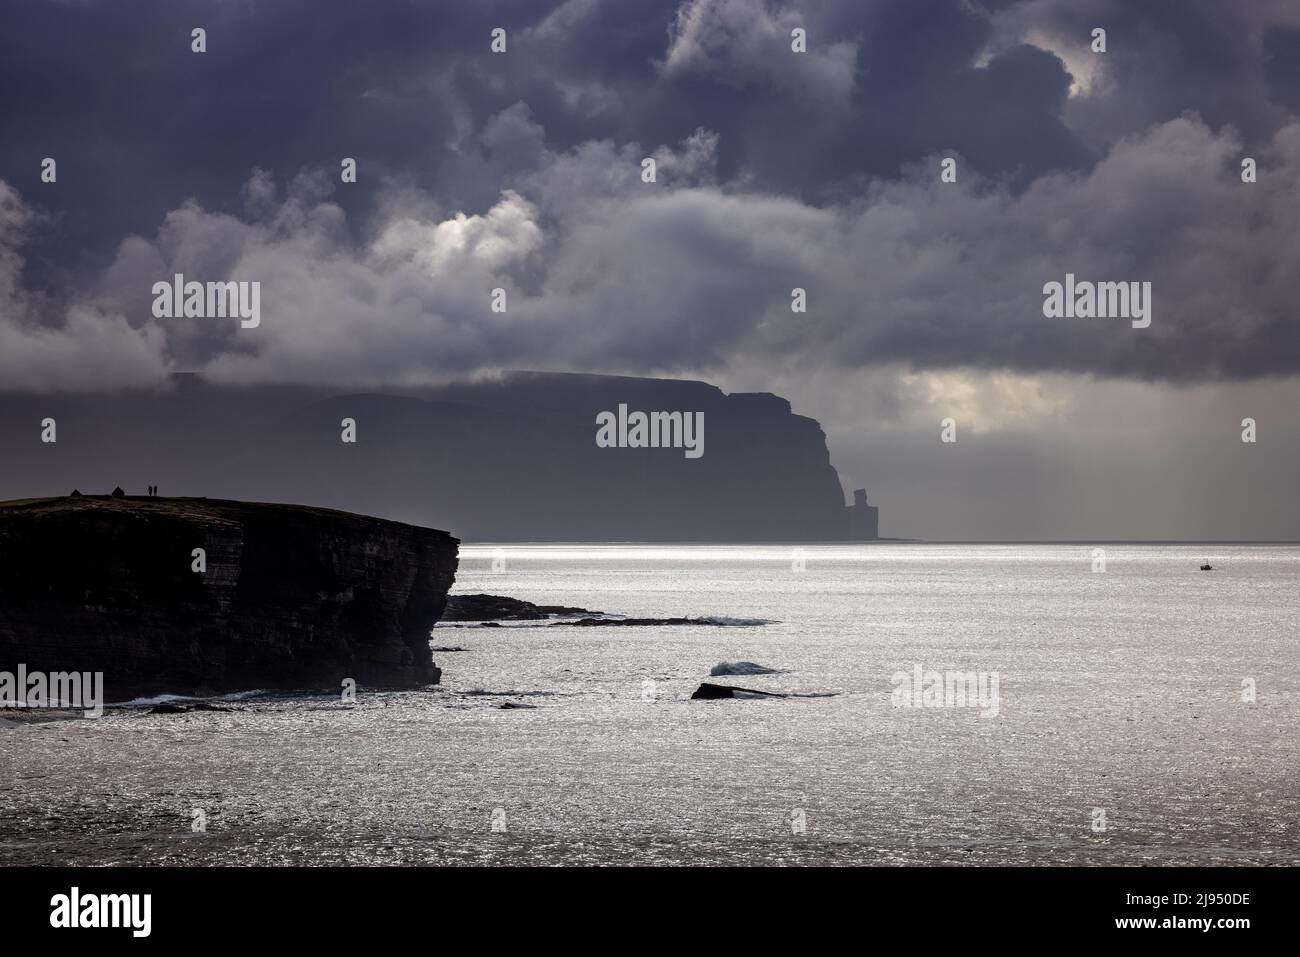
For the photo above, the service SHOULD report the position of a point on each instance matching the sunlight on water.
(1120, 690)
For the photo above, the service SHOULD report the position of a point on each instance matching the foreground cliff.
(291, 597)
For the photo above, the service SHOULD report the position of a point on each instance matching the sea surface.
(1146, 714)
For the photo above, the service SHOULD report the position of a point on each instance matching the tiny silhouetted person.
(118, 493)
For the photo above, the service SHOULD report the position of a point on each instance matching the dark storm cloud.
(140, 123)
(1166, 57)
(521, 171)
(884, 84)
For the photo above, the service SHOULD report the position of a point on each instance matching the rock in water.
(707, 690)
(287, 597)
(169, 708)
(741, 668)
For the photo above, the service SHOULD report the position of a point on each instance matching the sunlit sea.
(1148, 714)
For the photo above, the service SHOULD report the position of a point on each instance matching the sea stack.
(189, 595)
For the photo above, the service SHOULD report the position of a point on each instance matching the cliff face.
(508, 460)
(292, 597)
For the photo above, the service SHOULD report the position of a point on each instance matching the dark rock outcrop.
(488, 611)
(500, 608)
(646, 622)
(708, 690)
(291, 597)
(741, 668)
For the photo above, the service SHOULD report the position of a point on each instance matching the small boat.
(1207, 567)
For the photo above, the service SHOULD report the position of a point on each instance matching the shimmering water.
(1120, 692)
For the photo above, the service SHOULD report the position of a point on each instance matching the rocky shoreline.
(488, 611)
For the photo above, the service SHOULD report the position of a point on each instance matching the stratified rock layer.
(292, 597)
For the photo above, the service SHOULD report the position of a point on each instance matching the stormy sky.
(775, 169)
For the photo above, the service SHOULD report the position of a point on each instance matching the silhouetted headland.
(514, 459)
(203, 596)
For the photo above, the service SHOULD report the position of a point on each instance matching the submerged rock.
(282, 597)
(708, 690)
(741, 668)
(168, 707)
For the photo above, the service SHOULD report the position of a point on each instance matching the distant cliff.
(291, 598)
(514, 459)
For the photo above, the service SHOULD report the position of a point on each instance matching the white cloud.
(89, 349)
(504, 237)
(606, 273)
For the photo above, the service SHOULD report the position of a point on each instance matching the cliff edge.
(288, 596)
(512, 459)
